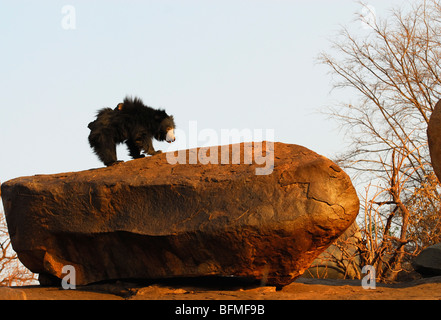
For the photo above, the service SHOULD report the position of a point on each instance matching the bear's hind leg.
(105, 148)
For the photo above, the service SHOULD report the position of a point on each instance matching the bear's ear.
(119, 106)
(160, 115)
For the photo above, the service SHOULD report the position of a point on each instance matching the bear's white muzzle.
(170, 137)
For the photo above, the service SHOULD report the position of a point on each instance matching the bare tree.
(395, 70)
(12, 272)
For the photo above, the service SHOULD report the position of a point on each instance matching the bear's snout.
(170, 137)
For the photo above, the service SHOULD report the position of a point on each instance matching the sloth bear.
(133, 123)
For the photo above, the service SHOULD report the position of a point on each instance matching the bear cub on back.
(131, 122)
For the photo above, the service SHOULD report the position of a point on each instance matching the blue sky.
(225, 64)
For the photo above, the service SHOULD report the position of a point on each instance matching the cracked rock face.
(149, 219)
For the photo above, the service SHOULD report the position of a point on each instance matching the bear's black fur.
(133, 123)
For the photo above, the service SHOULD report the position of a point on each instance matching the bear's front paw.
(152, 153)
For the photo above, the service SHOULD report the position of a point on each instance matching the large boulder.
(428, 262)
(434, 138)
(150, 219)
(342, 258)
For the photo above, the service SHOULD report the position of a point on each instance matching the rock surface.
(428, 262)
(150, 219)
(342, 258)
(434, 138)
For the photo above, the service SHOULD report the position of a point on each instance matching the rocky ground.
(223, 289)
